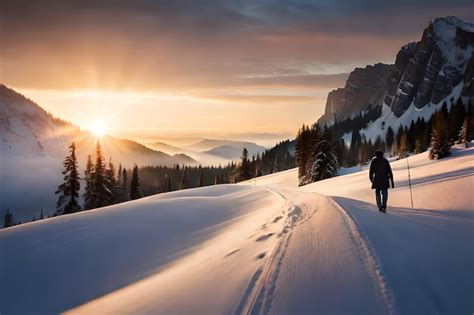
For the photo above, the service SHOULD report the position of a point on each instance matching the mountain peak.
(425, 72)
(450, 21)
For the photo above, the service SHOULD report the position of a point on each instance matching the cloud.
(156, 44)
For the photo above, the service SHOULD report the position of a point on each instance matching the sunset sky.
(149, 68)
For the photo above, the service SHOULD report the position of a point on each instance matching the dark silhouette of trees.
(68, 191)
(135, 187)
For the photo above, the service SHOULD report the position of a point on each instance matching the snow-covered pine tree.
(135, 187)
(463, 137)
(88, 192)
(325, 161)
(8, 219)
(68, 191)
(184, 179)
(440, 145)
(315, 134)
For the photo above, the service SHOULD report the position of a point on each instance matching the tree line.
(321, 150)
(161, 179)
(104, 185)
(107, 185)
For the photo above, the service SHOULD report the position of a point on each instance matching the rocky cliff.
(425, 72)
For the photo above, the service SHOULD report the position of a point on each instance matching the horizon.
(248, 73)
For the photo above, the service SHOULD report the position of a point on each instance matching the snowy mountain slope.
(263, 246)
(427, 73)
(28, 130)
(33, 145)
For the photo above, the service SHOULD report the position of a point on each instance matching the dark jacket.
(380, 172)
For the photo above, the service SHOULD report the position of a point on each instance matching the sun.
(98, 128)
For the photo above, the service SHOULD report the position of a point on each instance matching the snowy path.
(320, 265)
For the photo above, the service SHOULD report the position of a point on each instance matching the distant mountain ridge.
(210, 144)
(439, 66)
(33, 145)
(26, 129)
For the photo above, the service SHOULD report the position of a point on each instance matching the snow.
(347, 137)
(374, 129)
(262, 246)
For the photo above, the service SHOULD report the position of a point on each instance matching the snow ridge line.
(369, 257)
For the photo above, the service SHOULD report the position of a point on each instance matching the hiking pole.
(409, 183)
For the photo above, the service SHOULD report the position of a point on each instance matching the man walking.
(379, 174)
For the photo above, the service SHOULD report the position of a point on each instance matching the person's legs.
(378, 199)
(384, 198)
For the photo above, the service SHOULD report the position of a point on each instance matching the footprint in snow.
(263, 237)
(232, 252)
(277, 219)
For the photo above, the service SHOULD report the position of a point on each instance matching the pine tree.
(126, 196)
(135, 188)
(200, 182)
(463, 137)
(184, 179)
(68, 191)
(315, 134)
(119, 193)
(8, 219)
(168, 186)
(101, 194)
(403, 146)
(389, 138)
(325, 161)
(88, 193)
(111, 181)
(41, 215)
(301, 154)
(440, 145)
(244, 171)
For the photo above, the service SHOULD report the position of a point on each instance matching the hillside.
(34, 144)
(262, 247)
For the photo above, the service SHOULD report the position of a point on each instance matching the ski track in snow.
(261, 289)
(369, 258)
(258, 296)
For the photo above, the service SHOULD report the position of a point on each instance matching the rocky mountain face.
(425, 72)
(364, 87)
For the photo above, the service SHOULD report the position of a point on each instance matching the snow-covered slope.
(263, 246)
